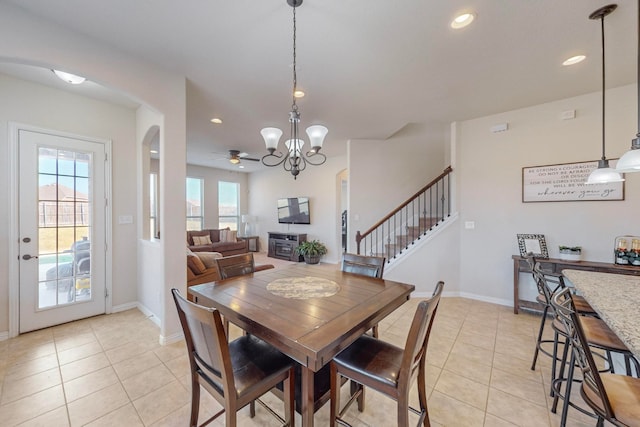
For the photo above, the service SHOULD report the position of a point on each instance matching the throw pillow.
(228, 236)
(201, 240)
(192, 233)
(208, 258)
(194, 263)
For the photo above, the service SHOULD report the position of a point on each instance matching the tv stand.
(282, 245)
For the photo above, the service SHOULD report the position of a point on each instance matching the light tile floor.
(110, 371)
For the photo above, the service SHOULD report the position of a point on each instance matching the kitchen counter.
(616, 299)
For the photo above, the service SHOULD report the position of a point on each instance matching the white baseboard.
(4, 335)
(508, 303)
(124, 307)
(178, 336)
(150, 314)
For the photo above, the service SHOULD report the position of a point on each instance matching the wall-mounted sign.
(566, 183)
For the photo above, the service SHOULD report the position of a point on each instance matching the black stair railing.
(410, 221)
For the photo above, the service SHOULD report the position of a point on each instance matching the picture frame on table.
(533, 244)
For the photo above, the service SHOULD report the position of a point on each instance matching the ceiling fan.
(236, 156)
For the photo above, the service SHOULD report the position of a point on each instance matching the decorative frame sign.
(534, 244)
(566, 182)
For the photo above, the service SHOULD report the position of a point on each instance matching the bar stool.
(547, 284)
(615, 398)
(598, 336)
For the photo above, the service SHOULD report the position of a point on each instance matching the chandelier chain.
(294, 106)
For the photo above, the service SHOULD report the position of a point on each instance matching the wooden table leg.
(516, 280)
(307, 396)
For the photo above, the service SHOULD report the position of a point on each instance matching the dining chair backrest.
(566, 313)
(418, 338)
(206, 343)
(235, 265)
(371, 266)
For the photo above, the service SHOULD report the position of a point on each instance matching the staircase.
(410, 221)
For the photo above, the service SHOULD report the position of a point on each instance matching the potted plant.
(311, 250)
(572, 253)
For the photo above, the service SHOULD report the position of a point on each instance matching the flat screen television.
(294, 210)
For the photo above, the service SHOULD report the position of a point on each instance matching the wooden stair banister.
(391, 216)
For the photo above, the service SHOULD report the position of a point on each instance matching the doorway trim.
(14, 249)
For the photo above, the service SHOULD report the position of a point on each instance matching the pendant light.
(630, 161)
(604, 173)
(294, 160)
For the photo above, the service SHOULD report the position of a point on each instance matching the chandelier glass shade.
(294, 159)
(603, 174)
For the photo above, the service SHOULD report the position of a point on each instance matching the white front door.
(62, 211)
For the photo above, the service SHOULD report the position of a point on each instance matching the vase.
(312, 259)
(571, 256)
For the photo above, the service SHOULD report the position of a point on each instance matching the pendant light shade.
(604, 174)
(630, 161)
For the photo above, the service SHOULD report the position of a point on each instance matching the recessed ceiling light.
(216, 120)
(298, 93)
(240, 167)
(69, 78)
(154, 151)
(574, 60)
(462, 20)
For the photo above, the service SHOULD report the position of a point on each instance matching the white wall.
(384, 174)
(437, 258)
(489, 174)
(32, 104)
(211, 177)
(319, 183)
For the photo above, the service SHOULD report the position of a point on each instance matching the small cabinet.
(282, 245)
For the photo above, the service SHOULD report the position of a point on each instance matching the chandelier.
(294, 160)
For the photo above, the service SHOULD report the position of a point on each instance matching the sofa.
(213, 240)
(202, 268)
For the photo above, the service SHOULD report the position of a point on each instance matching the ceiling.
(368, 67)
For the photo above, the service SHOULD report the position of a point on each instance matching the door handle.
(28, 257)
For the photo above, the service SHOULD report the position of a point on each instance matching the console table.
(252, 241)
(556, 265)
(282, 245)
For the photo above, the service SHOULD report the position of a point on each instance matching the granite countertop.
(616, 299)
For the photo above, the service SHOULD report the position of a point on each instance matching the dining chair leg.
(354, 388)
(422, 393)
(403, 410)
(252, 409)
(289, 388)
(231, 418)
(195, 401)
(334, 404)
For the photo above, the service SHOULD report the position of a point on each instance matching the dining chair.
(389, 369)
(235, 265)
(613, 397)
(235, 373)
(370, 266)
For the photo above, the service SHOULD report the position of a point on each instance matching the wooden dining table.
(309, 313)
